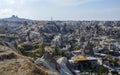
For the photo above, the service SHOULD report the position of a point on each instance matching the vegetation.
(76, 48)
(71, 30)
(2, 29)
(93, 45)
(114, 62)
(114, 73)
(41, 49)
(21, 49)
(102, 70)
(56, 50)
(62, 53)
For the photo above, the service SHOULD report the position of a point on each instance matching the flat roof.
(77, 59)
(91, 58)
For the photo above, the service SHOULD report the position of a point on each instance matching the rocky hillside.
(66, 34)
(12, 63)
(58, 39)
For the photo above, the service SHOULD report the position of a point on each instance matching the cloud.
(54, 2)
(10, 2)
(70, 2)
(6, 12)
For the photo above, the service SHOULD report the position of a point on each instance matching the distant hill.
(14, 18)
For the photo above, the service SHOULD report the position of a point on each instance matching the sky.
(61, 9)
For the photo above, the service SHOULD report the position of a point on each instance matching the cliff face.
(12, 63)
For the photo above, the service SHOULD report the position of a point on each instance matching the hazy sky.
(61, 9)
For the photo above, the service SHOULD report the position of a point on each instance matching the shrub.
(21, 48)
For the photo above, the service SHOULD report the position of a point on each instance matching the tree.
(62, 53)
(41, 49)
(103, 70)
(114, 73)
(89, 47)
(76, 48)
(56, 50)
(25, 23)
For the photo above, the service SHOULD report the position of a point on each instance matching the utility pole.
(51, 19)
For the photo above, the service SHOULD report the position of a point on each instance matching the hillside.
(14, 18)
(12, 63)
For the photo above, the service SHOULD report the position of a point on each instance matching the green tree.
(41, 49)
(62, 53)
(76, 48)
(103, 70)
(56, 50)
(114, 73)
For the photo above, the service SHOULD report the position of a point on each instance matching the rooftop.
(82, 58)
